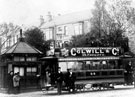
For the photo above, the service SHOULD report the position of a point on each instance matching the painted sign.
(91, 51)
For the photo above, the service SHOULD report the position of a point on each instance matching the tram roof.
(48, 57)
(88, 58)
(128, 55)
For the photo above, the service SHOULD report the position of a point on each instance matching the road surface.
(119, 91)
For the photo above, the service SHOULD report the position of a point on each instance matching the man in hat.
(59, 79)
(10, 82)
(16, 83)
(71, 80)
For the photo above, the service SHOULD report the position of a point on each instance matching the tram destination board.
(91, 51)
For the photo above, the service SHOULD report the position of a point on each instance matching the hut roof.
(22, 48)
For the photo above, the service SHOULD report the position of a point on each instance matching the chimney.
(49, 17)
(41, 20)
(59, 14)
(21, 39)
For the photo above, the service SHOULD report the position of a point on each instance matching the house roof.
(68, 18)
(22, 48)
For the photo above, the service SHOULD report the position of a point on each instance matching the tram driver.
(71, 80)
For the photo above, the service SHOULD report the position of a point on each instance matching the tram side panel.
(100, 76)
(97, 76)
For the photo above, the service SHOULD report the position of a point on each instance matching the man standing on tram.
(71, 80)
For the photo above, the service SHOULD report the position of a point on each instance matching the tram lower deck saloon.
(93, 65)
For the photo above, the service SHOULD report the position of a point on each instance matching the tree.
(123, 15)
(104, 31)
(100, 19)
(35, 38)
(7, 31)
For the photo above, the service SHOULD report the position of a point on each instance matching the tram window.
(105, 66)
(81, 74)
(119, 72)
(64, 66)
(97, 73)
(112, 72)
(104, 73)
(113, 65)
(87, 66)
(88, 73)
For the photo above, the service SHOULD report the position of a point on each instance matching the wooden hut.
(22, 58)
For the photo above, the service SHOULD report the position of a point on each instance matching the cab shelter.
(22, 58)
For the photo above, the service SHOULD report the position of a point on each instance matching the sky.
(27, 12)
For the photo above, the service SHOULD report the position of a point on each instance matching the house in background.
(9, 35)
(61, 28)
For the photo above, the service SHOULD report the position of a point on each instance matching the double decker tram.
(94, 67)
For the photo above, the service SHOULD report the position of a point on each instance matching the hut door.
(31, 76)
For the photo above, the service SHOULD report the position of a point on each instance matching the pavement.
(103, 93)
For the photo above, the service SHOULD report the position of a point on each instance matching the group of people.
(69, 80)
(13, 83)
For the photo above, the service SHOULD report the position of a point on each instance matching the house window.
(50, 34)
(60, 30)
(47, 34)
(78, 28)
(31, 71)
(65, 30)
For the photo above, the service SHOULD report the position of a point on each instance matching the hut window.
(20, 70)
(22, 59)
(9, 67)
(34, 59)
(16, 58)
(16, 69)
(19, 59)
(31, 71)
(31, 59)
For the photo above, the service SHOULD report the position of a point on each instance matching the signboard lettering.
(91, 52)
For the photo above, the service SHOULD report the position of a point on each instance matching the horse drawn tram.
(94, 67)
